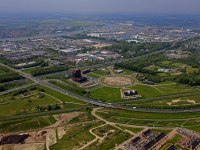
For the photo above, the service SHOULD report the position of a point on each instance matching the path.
(111, 71)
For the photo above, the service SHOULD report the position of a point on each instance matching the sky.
(102, 6)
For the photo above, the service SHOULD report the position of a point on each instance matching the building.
(172, 147)
(119, 71)
(146, 133)
(135, 141)
(76, 76)
(135, 74)
(194, 143)
(130, 93)
(86, 71)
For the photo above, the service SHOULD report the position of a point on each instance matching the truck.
(134, 107)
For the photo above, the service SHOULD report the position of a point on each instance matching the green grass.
(190, 69)
(107, 113)
(178, 64)
(132, 129)
(175, 89)
(194, 128)
(166, 62)
(161, 130)
(171, 123)
(147, 91)
(101, 73)
(107, 93)
(21, 106)
(175, 139)
(126, 72)
(93, 75)
(61, 96)
(29, 70)
(163, 74)
(109, 142)
(23, 124)
(75, 137)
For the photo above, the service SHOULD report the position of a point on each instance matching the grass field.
(175, 139)
(75, 137)
(161, 130)
(126, 72)
(147, 91)
(101, 73)
(28, 123)
(113, 138)
(178, 64)
(163, 74)
(29, 70)
(25, 105)
(175, 102)
(190, 69)
(175, 89)
(107, 113)
(166, 62)
(93, 75)
(132, 129)
(107, 93)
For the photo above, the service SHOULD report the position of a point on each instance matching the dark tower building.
(76, 76)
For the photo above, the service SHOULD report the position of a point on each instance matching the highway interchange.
(36, 80)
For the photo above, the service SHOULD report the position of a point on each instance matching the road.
(99, 103)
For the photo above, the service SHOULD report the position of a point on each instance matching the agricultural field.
(166, 62)
(163, 74)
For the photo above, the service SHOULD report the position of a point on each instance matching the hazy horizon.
(102, 6)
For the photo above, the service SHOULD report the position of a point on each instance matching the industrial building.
(76, 76)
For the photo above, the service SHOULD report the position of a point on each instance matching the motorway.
(95, 102)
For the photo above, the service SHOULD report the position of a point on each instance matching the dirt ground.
(35, 146)
(117, 80)
(61, 132)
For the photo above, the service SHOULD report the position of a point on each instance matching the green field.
(166, 62)
(147, 91)
(163, 74)
(101, 73)
(25, 105)
(27, 123)
(75, 137)
(107, 113)
(175, 89)
(178, 64)
(164, 103)
(93, 75)
(161, 130)
(190, 69)
(29, 70)
(132, 129)
(110, 140)
(107, 93)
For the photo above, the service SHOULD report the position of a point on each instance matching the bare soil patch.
(117, 80)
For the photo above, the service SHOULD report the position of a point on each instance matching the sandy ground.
(117, 80)
(178, 100)
(61, 132)
(51, 138)
(35, 146)
(6, 147)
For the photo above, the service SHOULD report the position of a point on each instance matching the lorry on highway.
(134, 107)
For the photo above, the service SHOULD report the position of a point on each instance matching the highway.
(95, 102)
